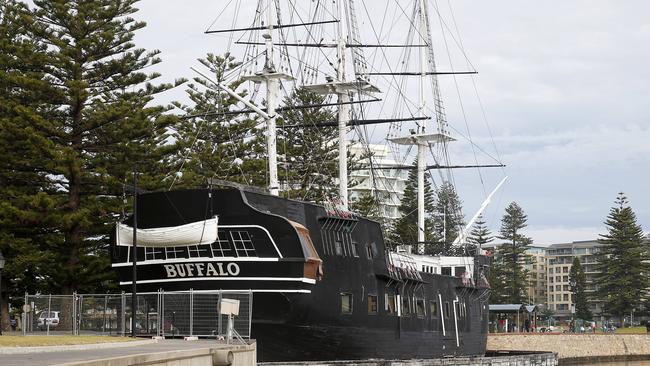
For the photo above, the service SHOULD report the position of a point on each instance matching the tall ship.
(327, 282)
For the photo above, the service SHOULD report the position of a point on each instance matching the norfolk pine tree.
(622, 281)
(211, 142)
(24, 236)
(479, 235)
(367, 206)
(405, 229)
(448, 216)
(579, 297)
(310, 153)
(95, 123)
(510, 255)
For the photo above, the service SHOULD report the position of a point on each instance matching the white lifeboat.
(194, 233)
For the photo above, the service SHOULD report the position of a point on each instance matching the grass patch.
(630, 330)
(32, 341)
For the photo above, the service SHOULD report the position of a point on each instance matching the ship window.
(372, 304)
(459, 271)
(446, 271)
(199, 251)
(153, 253)
(369, 251)
(221, 247)
(433, 309)
(447, 310)
(354, 249)
(338, 247)
(390, 304)
(243, 243)
(406, 306)
(176, 252)
(346, 303)
(419, 307)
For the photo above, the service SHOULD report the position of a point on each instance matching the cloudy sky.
(565, 87)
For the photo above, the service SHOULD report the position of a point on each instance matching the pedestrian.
(527, 326)
(13, 324)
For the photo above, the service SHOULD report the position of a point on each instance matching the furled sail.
(194, 233)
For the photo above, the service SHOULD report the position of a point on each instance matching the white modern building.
(385, 184)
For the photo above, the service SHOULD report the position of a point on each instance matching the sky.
(564, 87)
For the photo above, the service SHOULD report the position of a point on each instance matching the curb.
(75, 347)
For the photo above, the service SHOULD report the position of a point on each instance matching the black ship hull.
(323, 285)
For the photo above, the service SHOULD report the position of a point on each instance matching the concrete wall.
(574, 345)
(241, 355)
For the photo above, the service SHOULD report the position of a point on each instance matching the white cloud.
(565, 85)
(545, 235)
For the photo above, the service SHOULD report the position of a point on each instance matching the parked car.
(46, 318)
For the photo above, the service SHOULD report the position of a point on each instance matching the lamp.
(2, 266)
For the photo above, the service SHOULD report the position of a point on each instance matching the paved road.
(54, 358)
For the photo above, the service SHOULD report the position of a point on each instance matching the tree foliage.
(367, 205)
(310, 154)
(479, 235)
(507, 274)
(448, 210)
(622, 281)
(578, 282)
(405, 229)
(213, 144)
(78, 116)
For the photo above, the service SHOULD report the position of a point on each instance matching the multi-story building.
(385, 184)
(560, 258)
(535, 264)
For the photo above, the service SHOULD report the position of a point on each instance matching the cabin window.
(242, 243)
(369, 251)
(176, 252)
(406, 306)
(459, 271)
(221, 247)
(346, 303)
(433, 309)
(199, 251)
(153, 253)
(447, 310)
(354, 249)
(446, 271)
(390, 304)
(419, 308)
(372, 304)
(338, 247)
(457, 308)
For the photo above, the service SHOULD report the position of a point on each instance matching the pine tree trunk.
(4, 322)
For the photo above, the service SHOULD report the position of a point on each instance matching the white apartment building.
(536, 264)
(560, 258)
(387, 184)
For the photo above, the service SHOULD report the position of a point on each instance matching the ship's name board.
(202, 270)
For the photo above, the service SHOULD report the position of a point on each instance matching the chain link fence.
(187, 313)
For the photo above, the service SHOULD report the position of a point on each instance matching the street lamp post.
(134, 289)
(2, 266)
(573, 302)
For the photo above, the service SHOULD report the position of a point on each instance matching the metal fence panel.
(158, 313)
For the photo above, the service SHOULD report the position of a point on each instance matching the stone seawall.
(540, 359)
(571, 346)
